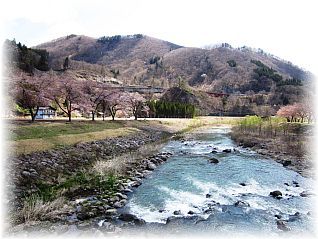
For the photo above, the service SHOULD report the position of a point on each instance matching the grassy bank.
(288, 143)
(28, 137)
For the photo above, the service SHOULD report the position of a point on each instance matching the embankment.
(292, 150)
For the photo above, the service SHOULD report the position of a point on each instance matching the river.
(230, 196)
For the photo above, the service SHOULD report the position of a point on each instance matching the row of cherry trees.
(296, 112)
(69, 94)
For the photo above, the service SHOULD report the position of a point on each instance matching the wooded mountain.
(145, 60)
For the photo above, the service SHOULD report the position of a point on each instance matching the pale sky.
(285, 28)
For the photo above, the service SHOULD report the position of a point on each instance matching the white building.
(46, 113)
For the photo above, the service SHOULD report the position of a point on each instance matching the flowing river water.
(231, 196)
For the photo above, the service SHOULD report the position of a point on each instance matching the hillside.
(20, 56)
(145, 60)
(128, 54)
(251, 77)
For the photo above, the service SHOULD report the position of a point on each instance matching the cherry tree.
(295, 112)
(116, 101)
(68, 95)
(95, 93)
(288, 112)
(137, 104)
(31, 91)
(112, 102)
(303, 111)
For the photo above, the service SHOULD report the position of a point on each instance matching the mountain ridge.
(247, 77)
(147, 61)
(46, 46)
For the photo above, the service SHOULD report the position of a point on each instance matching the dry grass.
(117, 165)
(26, 146)
(35, 209)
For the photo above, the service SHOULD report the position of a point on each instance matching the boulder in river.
(227, 151)
(294, 217)
(276, 194)
(282, 225)
(295, 183)
(306, 194)
(287, 163)
(214, 151)
(243, 184)
(114, 199)
(208, 195)
(213, 160)
(241, 204)
(182, 221)
(127, 190)
(178, 212)
(127, 217)
(278, 216)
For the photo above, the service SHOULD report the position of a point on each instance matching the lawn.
(49, 129)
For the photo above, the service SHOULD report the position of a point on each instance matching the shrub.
(232, 63)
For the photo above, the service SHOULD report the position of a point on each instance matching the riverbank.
(292, 151)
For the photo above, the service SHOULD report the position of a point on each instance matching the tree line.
(62, 91)
(288, 120)
(166, 109)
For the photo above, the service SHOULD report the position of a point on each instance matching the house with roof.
(46, 113)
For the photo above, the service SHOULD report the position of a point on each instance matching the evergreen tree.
(66, 64)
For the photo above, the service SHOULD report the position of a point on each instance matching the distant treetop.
(70, 36)
(117, 38)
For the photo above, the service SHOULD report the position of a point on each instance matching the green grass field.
(47, 130)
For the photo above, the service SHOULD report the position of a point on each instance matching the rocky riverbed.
(199, 183)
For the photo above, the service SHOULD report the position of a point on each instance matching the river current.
(230, 196)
